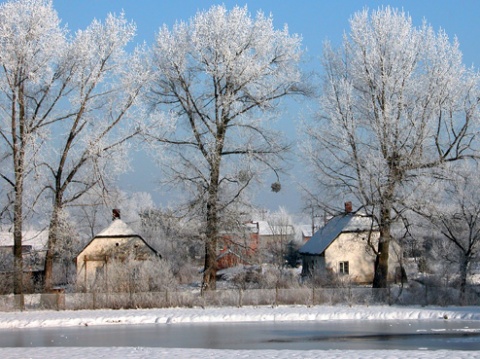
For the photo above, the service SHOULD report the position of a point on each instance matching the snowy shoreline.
(44, 319)
(41, 319)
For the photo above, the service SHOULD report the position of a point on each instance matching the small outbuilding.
(117, 243)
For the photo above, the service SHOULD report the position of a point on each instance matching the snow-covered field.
(41, 319)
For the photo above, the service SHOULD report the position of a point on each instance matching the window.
(343, 268)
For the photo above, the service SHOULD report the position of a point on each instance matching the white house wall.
(353, 248)
(86, 270)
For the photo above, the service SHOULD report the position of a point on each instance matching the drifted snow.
(170, 316)
(246, 314)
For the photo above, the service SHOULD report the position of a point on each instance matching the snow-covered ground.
(41, 319)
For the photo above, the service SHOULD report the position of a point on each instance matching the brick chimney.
(115, 214)
(348, 207)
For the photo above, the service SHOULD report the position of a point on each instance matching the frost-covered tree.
(103, 84)
(31, 40)
(397, 102)
(220, 77)
(64, 99)
(176, 238)
(454, 217)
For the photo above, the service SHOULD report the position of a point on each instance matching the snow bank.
(247, 314)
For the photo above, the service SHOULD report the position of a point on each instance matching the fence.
(238, 298)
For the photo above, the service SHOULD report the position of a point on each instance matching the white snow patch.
(170, 316)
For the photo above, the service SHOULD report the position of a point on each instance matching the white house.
(117, 242)
(342, 248)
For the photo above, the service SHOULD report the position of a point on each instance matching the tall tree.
(220, 76)
(397, 102)
(30, 42)
(103, 84)
(69, 107)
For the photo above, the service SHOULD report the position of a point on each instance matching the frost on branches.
(397, 103)
(30, 42)
(220, 77)
(62, 99)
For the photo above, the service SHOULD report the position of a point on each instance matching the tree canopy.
(220, 76)
(397, 102)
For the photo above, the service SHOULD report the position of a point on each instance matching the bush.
(134, 276)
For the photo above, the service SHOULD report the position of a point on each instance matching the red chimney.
(115, 214)
(348, 207)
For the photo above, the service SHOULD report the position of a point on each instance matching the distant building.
(307, 232)
(34, 248)
(256, 242)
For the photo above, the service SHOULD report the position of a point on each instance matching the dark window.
(344, 268)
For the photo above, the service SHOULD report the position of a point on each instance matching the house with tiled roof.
(345, 247)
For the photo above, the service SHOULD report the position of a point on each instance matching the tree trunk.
(210, 268)
(18, 228)
(17, 245)
(210, 272)
(52, 242)
(463, 279)
(18, 140)
(381, 261)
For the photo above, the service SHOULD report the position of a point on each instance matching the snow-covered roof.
(306, 230)
(36, 238)
(117, 228)
(267, 229)
(349, 222)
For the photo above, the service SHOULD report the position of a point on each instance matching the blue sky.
(314, 20)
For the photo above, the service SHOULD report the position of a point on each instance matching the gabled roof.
(118, 229)
(344, 223)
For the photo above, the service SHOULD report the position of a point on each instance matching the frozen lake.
(319, 335)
